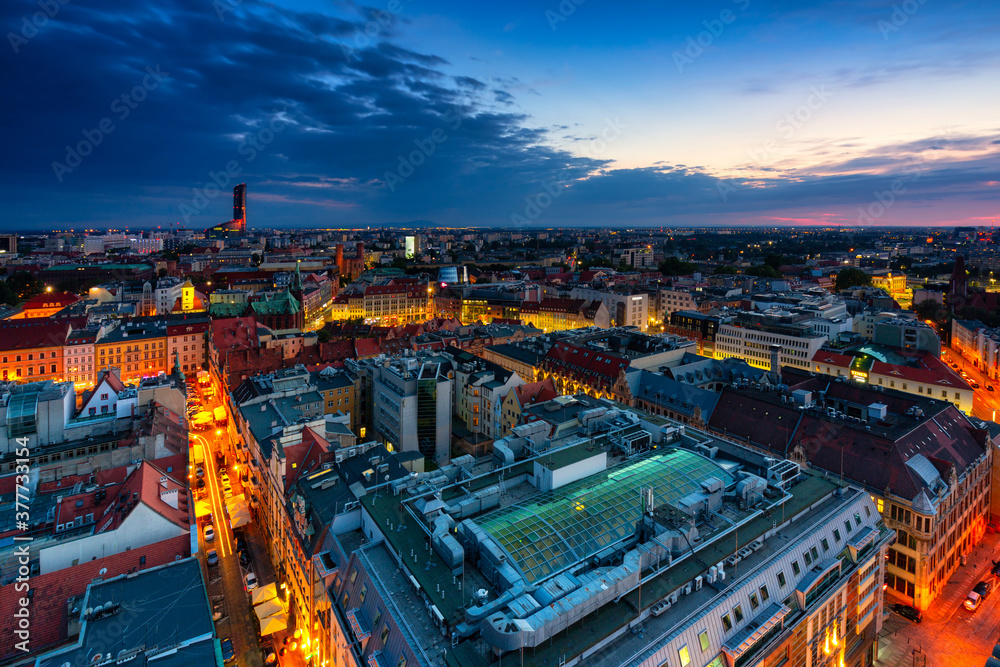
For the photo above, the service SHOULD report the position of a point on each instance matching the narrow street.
(226, 587)
(985, 403)
(226, 580)
(949, 636)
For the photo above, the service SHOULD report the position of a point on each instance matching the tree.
(725, 270)
(928, 309)
(672, 266)
(24, 285)
(255, 259)
(774, 261)
(763, 271)
(851, 277)
(162, 273)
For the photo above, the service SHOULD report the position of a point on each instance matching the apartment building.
(187, 343)
(412, 403)
(751, 339)
(626, 308)
(79, 357)
(670, 301)
(33, 349)
(923, 375)
(137, 347)
(480, 389)
(397, 304)
(927, 466)
(564, 314)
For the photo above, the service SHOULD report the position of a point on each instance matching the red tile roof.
(874, 457)
(306, 456)
(27, 335)
(928, 373)
(833, 359)
(235, 333)
(365, 348)
(47, 300)
(145, 481)
(536, 392)
(584, 365)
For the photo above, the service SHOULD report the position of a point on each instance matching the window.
(764, 595)
(385, 633)
(795, 568)
(815, 555)
(364, 591)
(836, 534)
(825, 544)
(805, 557)
(684, 655)
(727, 622)
(753, 601)
(703, 639)
(738, 613)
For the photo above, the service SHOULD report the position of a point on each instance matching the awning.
(268, 608)
(262, 593)
(273, 624)
(239, 518)
(202, 508)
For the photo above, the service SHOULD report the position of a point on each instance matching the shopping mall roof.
(555, 530)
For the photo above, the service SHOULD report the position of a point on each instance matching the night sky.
(506, 114)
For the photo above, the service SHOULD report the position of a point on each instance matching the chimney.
(775, 364)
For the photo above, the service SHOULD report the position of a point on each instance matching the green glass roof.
(557, 529)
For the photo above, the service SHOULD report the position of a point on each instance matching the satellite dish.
(103, 571)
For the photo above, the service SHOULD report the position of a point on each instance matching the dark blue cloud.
(331, 120)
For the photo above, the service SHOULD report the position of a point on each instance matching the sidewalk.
(266, 575)
(949, 636)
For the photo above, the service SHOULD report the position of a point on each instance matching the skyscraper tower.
(236, 227)
(240, 207)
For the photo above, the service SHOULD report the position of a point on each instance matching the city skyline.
(555, 115)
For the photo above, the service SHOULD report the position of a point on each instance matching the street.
(226, 588)
(226, 584)
(985, 403)
(949, 636)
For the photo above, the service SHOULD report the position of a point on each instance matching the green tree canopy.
(672, 266)
(851, 277)
(763, 271)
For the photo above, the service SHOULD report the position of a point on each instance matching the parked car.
(200, 472)
(989, 387)
(228, 652)
(907, 612)
(995, 571)
(213, 557)
(209, 533)
(251, 580)
(244, 558)
(979, 593)
(201, 484)
(975, 385)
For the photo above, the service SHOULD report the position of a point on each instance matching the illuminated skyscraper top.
(240, 206)
(236, 227)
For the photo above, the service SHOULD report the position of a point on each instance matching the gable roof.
(535, 392)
